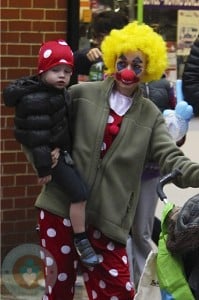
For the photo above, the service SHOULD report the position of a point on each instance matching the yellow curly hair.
(131, 38)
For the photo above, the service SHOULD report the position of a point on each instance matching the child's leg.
(82, 244)
(69, 179)
(77, 216)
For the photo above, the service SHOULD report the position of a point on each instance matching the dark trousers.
(69, 179)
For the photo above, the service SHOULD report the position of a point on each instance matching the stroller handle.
(164, 180)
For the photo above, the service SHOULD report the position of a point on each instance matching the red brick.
(17, 73)
(31, 213)
(4, 3)
(56, 14)
(28, 61)
(19, 25)
(4, 25)
(7, 181)
(10, 13)
(7, 111)
(7, 134)
(32, 14)
(14, 168)
(11, 145)
(43, 3)
(34, 37)
(25, 179)
(28, 224)
(60, 26)
(23, 3)
(54, 36)
(61, 4)
(10, 61)
(20, 157)
(10, 37)
(13, 215)
(16, 191)
(34, 191)
(13, 239)
(24, 202)
(7, 203)
(43, 26)
(18, 49)
(7, 227)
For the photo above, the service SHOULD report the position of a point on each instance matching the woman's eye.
(137, 69)
(121, 65)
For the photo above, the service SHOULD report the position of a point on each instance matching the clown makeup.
(129, 70)
(135, 60)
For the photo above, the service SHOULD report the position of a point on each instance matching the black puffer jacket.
(190, 78)
(41, 120)
(160, 92)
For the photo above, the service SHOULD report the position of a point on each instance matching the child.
(43, 123)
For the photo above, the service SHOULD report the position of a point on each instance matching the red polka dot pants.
(110, 280)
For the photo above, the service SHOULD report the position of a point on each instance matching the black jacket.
(190, 78)
(41, 119)
(160, 92)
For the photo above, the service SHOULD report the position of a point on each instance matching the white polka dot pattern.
(67, 222)
(125, 260)
(43, 242)
(111, 246)
(102, 284)
(113, 272)
(94, 294)
(51, 232)
(47, 53)
(65, 249)
(42, 215)
(62, 276)
(49, 261)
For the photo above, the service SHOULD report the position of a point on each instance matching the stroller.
(172, 270)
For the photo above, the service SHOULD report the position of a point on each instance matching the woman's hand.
(44, 180)
(55, 156)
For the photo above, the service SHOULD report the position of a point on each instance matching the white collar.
(119, 103)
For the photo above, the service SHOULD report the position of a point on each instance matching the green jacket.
(114, 182)
(170, 269)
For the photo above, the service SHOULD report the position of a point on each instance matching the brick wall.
(24, 25)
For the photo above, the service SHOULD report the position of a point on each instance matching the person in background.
(101, 25)
(42, 123)
(190, 78)
(161, 93)
(116, 132)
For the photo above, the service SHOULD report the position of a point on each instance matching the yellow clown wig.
(136, 37)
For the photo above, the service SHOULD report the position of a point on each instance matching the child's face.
(134, 62)
(58, 76)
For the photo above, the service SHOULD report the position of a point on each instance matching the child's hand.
(55, 156)
(44, 180)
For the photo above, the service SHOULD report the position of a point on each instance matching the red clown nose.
(127, 76)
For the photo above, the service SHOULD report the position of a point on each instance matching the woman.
(116, 132)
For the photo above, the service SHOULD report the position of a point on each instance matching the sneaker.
(86, 252)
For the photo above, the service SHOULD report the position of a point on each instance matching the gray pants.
(142, 228)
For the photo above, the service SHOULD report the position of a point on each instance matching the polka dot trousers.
(110, 280)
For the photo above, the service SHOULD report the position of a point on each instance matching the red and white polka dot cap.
(54, 53)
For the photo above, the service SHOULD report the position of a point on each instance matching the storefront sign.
(187, 30)
(192, 4)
